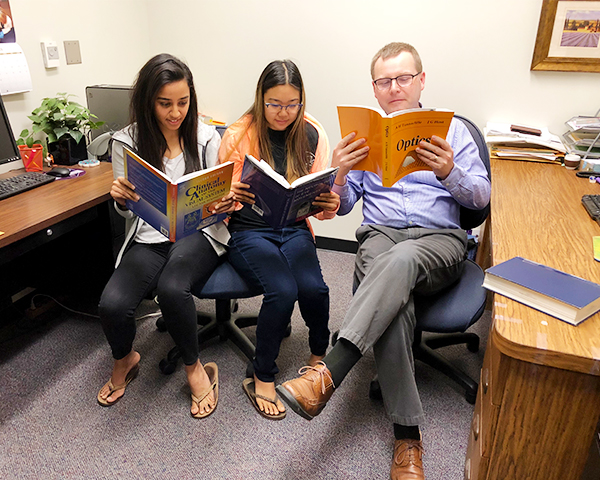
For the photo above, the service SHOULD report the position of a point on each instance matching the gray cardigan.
(209, 141)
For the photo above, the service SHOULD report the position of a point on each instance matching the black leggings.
(172, 269)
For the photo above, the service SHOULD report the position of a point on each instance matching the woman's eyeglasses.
(292, 108)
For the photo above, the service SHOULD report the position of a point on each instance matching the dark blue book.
(278, 202)
(564, 296)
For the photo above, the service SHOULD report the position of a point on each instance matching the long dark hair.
(151, 145)
(282, 72)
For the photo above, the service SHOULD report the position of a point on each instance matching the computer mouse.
(59, 172)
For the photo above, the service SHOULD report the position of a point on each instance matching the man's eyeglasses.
(402, 81)
(292, 108)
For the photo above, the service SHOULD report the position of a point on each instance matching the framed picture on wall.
(568, 37)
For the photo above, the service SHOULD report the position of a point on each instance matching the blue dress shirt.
(420, 199)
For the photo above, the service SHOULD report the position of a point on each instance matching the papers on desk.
(582, 144)
(584, 124)
(512, 145)
(583, 137)
(517, 153)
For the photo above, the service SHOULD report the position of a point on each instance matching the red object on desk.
(33, 157)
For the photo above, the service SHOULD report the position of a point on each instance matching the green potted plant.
(65, 124)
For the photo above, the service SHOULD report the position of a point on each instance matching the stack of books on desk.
(583, 136)
(514, 142)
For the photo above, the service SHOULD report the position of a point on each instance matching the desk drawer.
(476, 464)
(491, 384)
(37, 239)
(476, 468)
(484, 424)
(496, 373)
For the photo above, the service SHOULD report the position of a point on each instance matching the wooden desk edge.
(15, 237)
(104, 170)
(547, 358)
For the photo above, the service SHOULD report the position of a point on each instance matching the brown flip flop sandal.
(213, 375)
(131, 374)
(249, 388)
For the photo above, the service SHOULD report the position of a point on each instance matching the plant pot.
(66, 152)
(33, 158)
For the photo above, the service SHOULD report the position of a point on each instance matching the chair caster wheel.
(288, 330)
(375, 390)
(161, 326)
(250, 370)
(473, 346)
(334, 338)
(471, 398)
(166, 367)
(173, 356)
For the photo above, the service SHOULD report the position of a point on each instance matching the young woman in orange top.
(282, 261)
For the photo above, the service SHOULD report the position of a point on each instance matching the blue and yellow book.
(177, 209)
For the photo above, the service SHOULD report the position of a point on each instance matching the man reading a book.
(410, 241)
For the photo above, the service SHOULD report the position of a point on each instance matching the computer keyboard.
(23, 182)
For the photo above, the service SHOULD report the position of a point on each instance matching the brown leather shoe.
(408, 460)
(308, 394)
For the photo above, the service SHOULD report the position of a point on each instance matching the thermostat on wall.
(50, 54)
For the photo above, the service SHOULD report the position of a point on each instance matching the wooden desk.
(42, 207)
(44, 214)
(538, 403)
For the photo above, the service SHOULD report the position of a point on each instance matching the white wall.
(477, 55)
(114, 42)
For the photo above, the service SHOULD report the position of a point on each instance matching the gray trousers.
(391, 264)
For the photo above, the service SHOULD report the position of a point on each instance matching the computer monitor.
(110, 103)
(9, 153)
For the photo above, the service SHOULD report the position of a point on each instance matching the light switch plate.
(50, 54)
(72, 52)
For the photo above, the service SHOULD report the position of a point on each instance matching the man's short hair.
(393, 50)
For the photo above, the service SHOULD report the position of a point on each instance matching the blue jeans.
(284, 264)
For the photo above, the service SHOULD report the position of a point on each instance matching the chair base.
(224, 324)
(424, 350)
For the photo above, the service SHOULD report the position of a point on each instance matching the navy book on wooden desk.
(551, 291)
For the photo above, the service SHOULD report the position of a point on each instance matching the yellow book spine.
(172, 192)
(386, 166)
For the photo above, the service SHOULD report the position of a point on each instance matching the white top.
(136, 229)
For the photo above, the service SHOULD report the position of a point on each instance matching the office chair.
(450, 312)
(225, 286)
(442, 318)
(447, 315)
